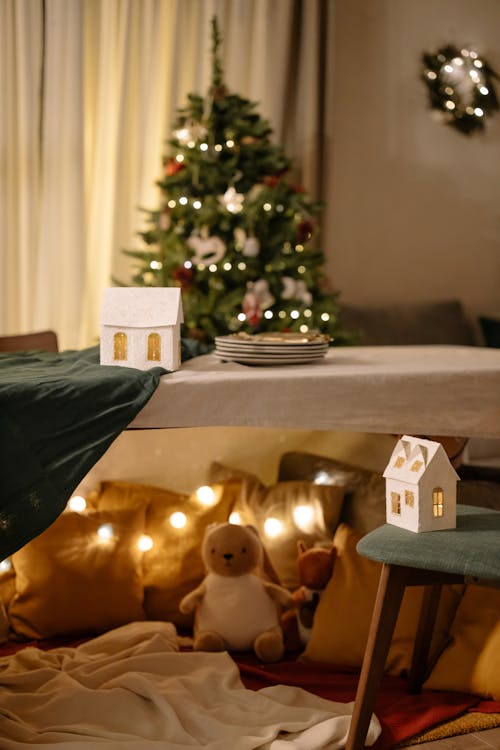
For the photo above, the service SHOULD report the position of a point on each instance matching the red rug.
(401, 715)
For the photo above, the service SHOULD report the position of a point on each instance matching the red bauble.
(251, 308)
(271, 181)
(304, 230)
(184, 277)
(173, 166)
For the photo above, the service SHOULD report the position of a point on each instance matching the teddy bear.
(236, 609)
(315, 566)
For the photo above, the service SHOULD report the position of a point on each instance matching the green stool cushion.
(472, 549)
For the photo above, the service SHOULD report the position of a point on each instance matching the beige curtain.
(91, 88)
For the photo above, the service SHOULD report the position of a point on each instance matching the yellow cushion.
(70, 580)
(342, 619)
(285, 513)
(471, 663)
(173, 566)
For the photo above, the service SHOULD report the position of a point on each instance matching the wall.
(414, 209)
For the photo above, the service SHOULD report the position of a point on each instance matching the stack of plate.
(272, 348)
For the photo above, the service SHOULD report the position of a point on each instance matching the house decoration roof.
(141, 307)
(411, 458)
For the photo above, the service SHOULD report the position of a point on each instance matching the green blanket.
(58, 414)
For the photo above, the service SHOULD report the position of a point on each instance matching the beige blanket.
(131, 688)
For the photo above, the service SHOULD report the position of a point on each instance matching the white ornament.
(261, 290)
(251, 247)
(296, 289)
(192, 131)
(239, 237)
(206, 249)
(232, 200)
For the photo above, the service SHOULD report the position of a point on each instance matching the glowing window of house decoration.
(154, 347)
(437, 502)
(399, 462)
(416, 465)
(409, 499)
(396, 503)
(120, 346)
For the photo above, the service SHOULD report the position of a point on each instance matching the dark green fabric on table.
(472, 549)
(59, 412)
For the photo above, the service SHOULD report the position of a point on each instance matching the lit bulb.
(105, 532)
(178, 520)
(171, 203)
(227, 266)
(325, 316)
(183, 200)
(307, 313)
(294, 314)
(235, 518)
(191, 144)
(230, 143)
(449, 104)
(179, 158)
(5, 565)
(196, 204)
(299, 248)
(77, 503)
(188, 264)
(484, 90)
(203, 146)
(304, 517)
(267, 207)
(322, 477)
(478, 63)
(242, 317)
(273, 527)
(457, 61)
(301, 269)
(144, 543)
(304, 329)
(448, 68)
(242, 266)
(156, 265)
(212, 267)
(431, 75)
(268, 314)
(205, 495)
(478, 112)
(282, 314)
(218, 147)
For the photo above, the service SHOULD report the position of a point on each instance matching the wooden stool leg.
(389, 595)
(418, 670)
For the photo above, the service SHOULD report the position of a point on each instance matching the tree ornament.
(206, 249)
(172, 166)
(251, 306)
(304, 230)
(251, 247)
(296, 289)
(460, 85)
(184, 277)
(232, 200)
(164, 221)
(261, 289)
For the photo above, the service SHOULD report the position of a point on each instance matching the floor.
(489, 739)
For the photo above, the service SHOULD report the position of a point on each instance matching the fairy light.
(77, 503)
(144, 543)
(449, 104)
(178, 520)
(188, 264)
(304, 517)
(268, 314)
(322, 477)
(241, 266)
(478, 112)
(5, 565)
(182, 134)
(203, 146)
(179, 158)
(282, 314)
(294, 314)
(273, 527)
(301, 269)
(299, 248)
(191, 144)
(307, 313)
(183, 200)
(218, 147)
(197, 204)
(230, 143)
(201, 266)
(172, 203)
(242, 317)
(325, 316)
(212, 268)
(280, 208)
(235, 518)
(267, 206)
(105, 532)
(303, 328)
(205, 495)
(483, 90)
(478, 64)
(156, 265)
(227, 266)
(431, 75)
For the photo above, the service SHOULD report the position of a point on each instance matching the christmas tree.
(232, 231)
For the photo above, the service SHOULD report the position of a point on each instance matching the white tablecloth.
(429, 390)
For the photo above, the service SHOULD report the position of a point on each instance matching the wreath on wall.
(460, 85)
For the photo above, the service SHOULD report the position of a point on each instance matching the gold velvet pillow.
(471, 663)
(81, 575)
(342, 619)
(176, 524)
(285, 513)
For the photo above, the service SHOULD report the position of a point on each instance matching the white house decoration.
(140, 327)
(421, 486)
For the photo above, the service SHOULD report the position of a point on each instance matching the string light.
(241, 266)
(299, 248)
(282, 314)
(267, 207)
(303, 328)
(242, 317)
(304, 517)
(179, 158)
(191, 144)
(307, 313)
(172, 203)
(322, 477)
(218, 147)
(325, 316)
(183, 200)
(212, 267)
(77, 503)
(268, 314)
(206, 496)
(230, 143)
(178, 520)
(197, 204)
(156, 265)
(235, 518)
(188, 264)
(273, 527)
(144, 543)
(203, 146)
(294, 314)
(105, 532)
(227, 266)
(5, 565)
